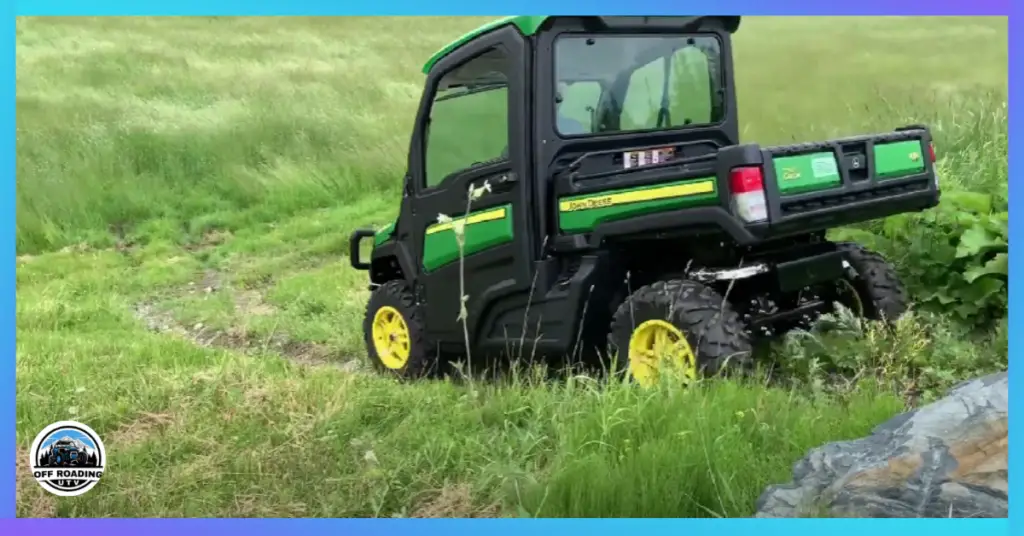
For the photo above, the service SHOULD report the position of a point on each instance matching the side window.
(469, 117)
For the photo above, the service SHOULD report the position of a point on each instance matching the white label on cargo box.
(824, 166)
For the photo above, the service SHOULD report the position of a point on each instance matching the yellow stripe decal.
(637, 196)
(481, 217)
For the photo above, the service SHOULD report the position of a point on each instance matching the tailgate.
(823, 170)
(845, 181)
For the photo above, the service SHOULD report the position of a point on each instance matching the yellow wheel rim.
(391, 337)
(657, 348)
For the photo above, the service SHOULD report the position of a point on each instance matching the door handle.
(505, 182)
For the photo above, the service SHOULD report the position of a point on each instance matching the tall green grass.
(228, 121)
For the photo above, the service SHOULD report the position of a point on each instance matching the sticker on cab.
(633, 159)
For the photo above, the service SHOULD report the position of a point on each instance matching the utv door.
(470, 134)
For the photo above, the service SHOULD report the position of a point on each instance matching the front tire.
(394, 333)
(704, 334)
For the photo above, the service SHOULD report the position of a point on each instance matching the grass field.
(186, 188)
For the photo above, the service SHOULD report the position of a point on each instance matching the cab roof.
(529, 24)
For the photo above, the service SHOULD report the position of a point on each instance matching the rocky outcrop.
(946, 459)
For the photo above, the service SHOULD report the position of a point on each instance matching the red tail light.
(746, 179)
(748, 199)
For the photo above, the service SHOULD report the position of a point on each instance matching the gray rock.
(946, 459)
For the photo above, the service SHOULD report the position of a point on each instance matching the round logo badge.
(67, 458)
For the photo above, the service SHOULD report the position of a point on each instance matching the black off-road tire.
(715, 332)
(879, 290)
(422, 356)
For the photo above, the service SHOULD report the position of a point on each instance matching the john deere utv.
(619, 205)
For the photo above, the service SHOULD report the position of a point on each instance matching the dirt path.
(248, 303)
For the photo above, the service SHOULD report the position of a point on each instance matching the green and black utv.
(577, 186)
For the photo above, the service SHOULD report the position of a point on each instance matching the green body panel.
(527, 25)
(383, 234)
(621, 204)
(441, 248)
(806, 173)
(899, 159)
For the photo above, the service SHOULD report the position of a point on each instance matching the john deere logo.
(790, 174)
(67, 458)
(586, 204)
(915, 156)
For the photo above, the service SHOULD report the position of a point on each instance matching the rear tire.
(879, 291)
(714, 332)
(394, 333)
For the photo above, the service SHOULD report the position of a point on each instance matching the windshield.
(613, 84)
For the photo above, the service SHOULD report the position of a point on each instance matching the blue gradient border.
(115, 527)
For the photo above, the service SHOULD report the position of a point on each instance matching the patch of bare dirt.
(454, 501)
(32, 500)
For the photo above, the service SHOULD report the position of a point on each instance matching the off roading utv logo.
(67, 458)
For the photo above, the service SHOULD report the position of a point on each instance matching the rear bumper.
(850, 205)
